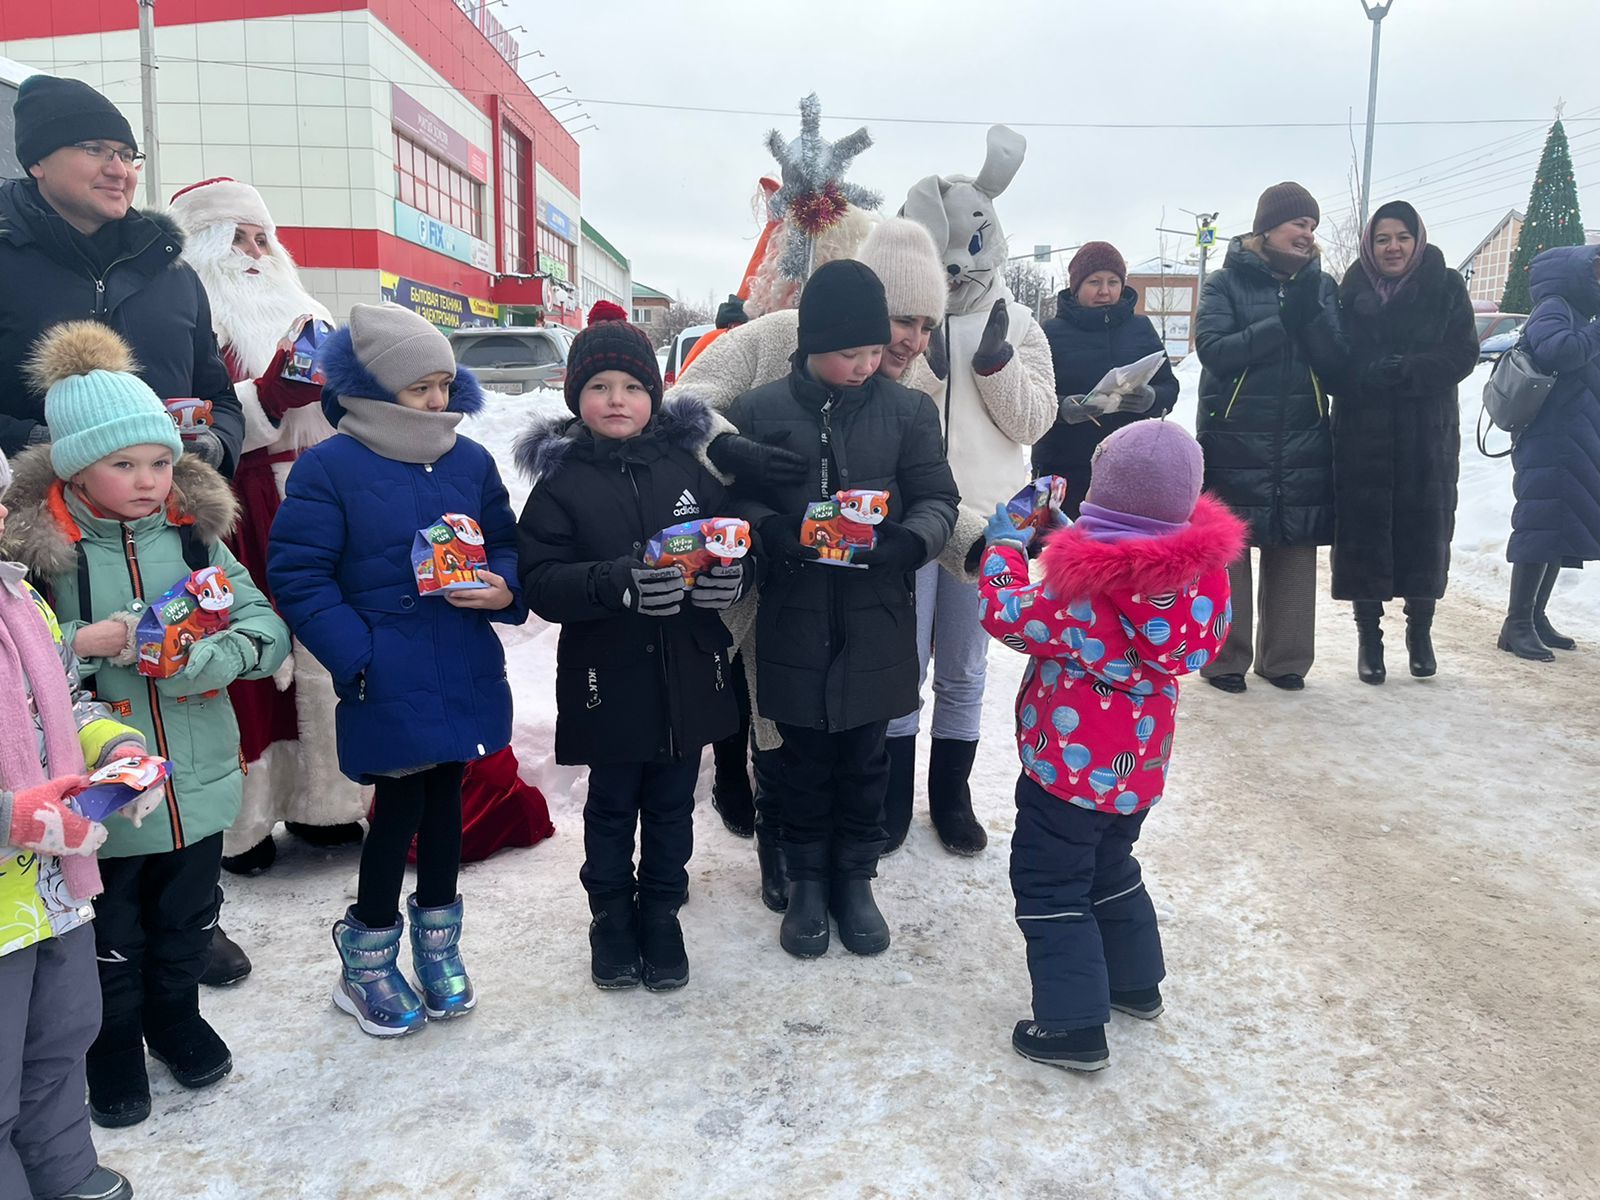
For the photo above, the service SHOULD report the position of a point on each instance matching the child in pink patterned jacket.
(1132, 596)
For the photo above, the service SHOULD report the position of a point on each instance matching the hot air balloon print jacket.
(1109, 630)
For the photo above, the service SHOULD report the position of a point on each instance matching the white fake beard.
(250, 313)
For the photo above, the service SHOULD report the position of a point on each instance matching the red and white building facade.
(399, 151)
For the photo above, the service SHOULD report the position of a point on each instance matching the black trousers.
(657, 799)
(833, 786)
(152, 937)
(425, 806)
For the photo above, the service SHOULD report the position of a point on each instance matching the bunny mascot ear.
(925, 205)
(1006, 148)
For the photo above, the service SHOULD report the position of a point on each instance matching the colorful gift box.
(695, 546)
(446, 556)
(190, 415)
(1032, 507)
(118, 784)
(304, 339)
(193, 608)
(837, 528)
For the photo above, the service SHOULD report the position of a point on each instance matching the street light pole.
(1376, 12)
(147, 81)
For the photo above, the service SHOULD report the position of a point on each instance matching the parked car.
(1497, 333)
(1493, 346)
(523, 358)
(680, 347)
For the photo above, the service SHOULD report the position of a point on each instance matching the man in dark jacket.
(71, 247)
(1093, 331)
(1268, 334)
(835, 646)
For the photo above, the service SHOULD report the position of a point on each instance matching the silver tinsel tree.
(814, 193)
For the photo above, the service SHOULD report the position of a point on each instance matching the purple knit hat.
(1148, 469)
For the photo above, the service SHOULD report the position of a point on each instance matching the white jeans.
(948, 631)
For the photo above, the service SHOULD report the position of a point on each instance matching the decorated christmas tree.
(1552, 218)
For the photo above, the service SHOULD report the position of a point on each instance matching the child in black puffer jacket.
(643, 680)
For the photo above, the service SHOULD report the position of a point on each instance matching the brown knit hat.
(1092, 257)
(1284, 202)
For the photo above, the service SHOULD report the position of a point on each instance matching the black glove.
(1301, 300)
(719, 586)
(897, 549)
(1388, 372)
(993, 350)
(646, 590)
(780, 537)
(750, 461)
(938, 353)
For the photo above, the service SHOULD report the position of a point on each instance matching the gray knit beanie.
(901, 253)
(397, 346)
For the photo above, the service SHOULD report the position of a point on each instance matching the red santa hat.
(220, 201)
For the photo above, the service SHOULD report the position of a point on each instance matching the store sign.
(553, 219)
(428, 130)
(478, 13)
(449, 310)
(552, 267)
(420, 229)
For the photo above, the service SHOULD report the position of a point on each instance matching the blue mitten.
(1000, 529)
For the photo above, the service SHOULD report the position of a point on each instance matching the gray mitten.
(207, 447)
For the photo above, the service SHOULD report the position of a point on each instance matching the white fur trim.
(219, 201)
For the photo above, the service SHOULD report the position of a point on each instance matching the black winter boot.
(1517, 635)
(227, 963)
(804, 933)
(862, 928)
(253, 861)
(1541, 623)
(774, 873)
(730, 785)
(186, 1044)
(666, 965)
(119, 1087)
(950, 797)
(614, 941)
(897, 801)
(1369, 644)
(1419, 638)
(326, 837)
(1075, 1049)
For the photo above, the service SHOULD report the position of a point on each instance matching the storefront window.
(515, 155)
(438, 188)
(553, 246)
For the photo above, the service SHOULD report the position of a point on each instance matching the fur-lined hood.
(1075, 566)
(683, 423)
(42, 535)
(344, 375)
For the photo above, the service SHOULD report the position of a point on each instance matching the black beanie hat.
(731, 312)
(51, 113)
(1281, 202)
(611, 344)
(842, 306)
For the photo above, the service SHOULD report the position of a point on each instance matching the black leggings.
(426, 806)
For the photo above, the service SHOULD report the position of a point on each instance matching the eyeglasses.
(103, 153)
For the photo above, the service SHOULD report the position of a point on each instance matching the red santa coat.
(1109, 631)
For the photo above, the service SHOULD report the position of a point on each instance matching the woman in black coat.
(1397, 432)
(1094, 330)
(1269, 337)
(1556, 522)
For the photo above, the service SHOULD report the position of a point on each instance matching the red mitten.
(278, 395)
(41, 821)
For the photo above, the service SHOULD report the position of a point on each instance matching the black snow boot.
(774, 874)
(119, 1087)
(614, 941)
(666, 965)
(950, 797)
(1074, 1049)
(1541, 623)
(1517, 635)
(1369, 644)
(227, 962)
(326, 837)
(186, 1044)
(102, 1183)
(804, 933)
(862, 928)
(730, 785)
(1144, 1003)
(1419, 638)
(253, 861)
(897, 801)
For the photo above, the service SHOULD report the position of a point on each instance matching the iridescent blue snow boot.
(436, 957)
(371, 988)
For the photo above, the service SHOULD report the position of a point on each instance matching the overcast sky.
(672, 190)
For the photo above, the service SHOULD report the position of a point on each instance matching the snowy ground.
(1379, 908)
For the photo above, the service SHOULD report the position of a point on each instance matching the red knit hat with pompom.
(610, 343)
(604, 310)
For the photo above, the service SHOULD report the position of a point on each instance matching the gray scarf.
(404, 434)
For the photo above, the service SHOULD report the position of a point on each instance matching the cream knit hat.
(902, 254)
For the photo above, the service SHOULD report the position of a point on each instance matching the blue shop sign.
(553, 219)
(419, 228)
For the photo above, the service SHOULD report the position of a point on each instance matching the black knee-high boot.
(730, 785)
(897, 800)
(769, 844)
(1541, 623)
(1419, 638)
(1369, 645)
(1517, 635)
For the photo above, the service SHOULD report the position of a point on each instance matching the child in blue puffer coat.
(421, 679)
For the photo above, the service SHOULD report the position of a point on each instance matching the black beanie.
(731, 312)
(842, 306)
(612, 344)
(51, 113)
